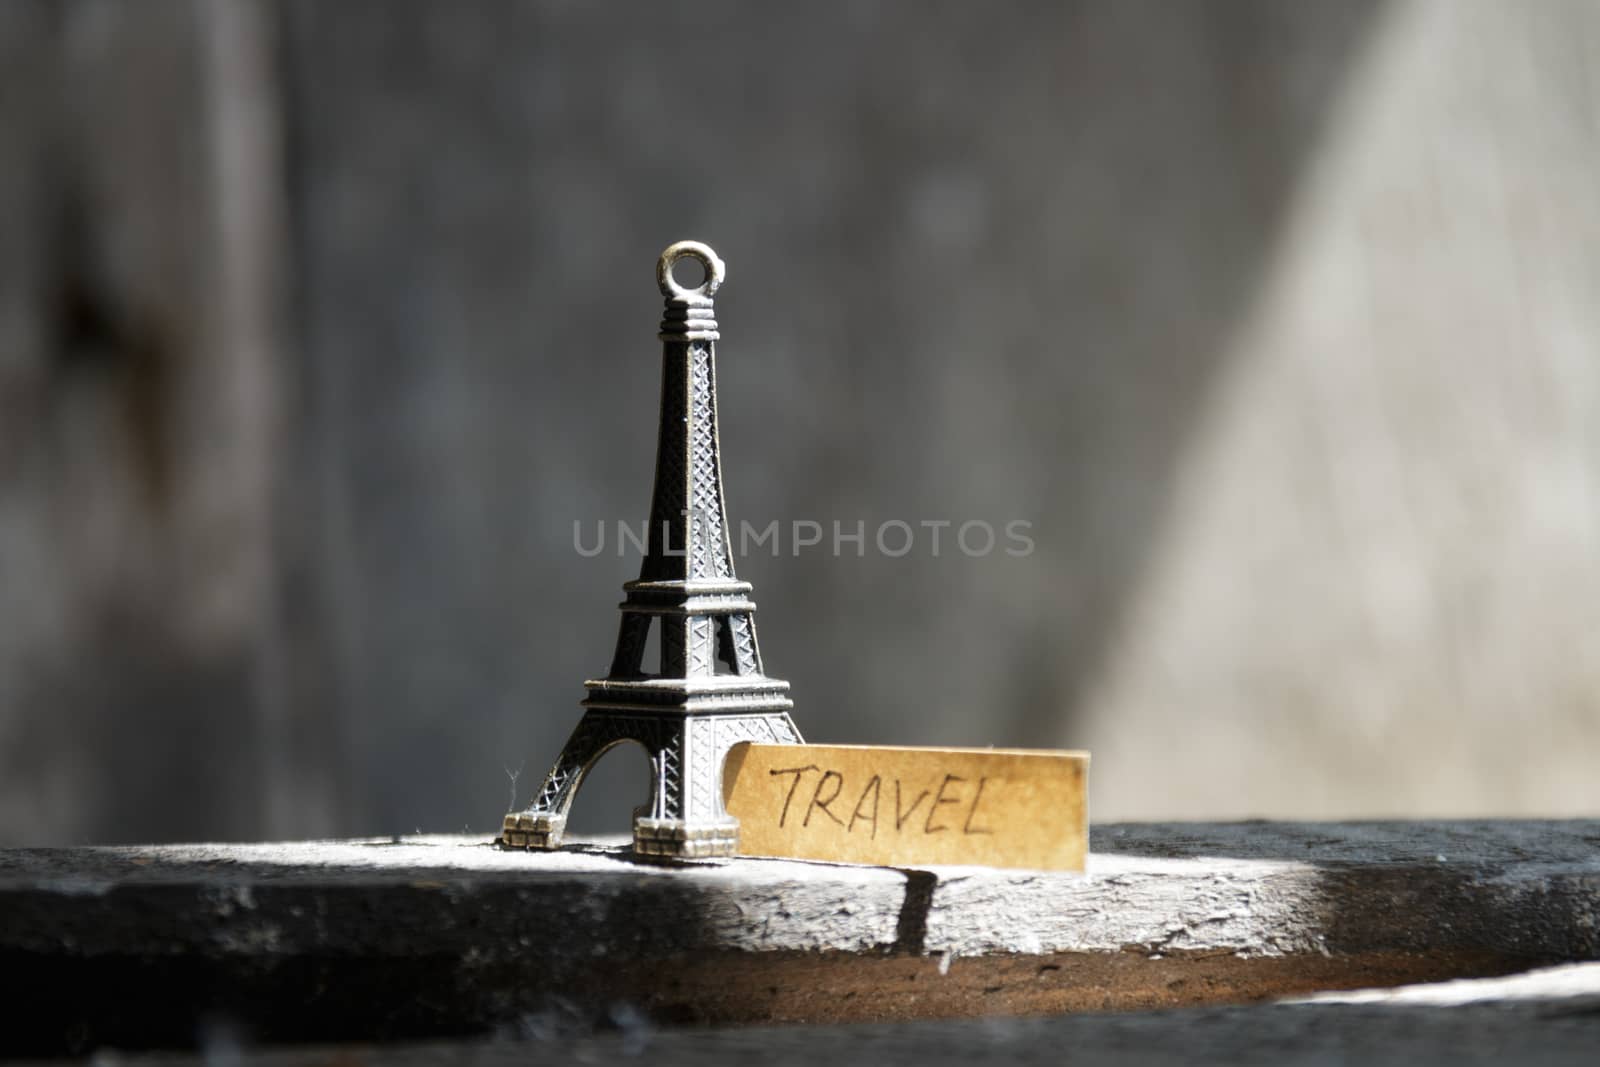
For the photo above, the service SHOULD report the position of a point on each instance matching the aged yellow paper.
(993, 807)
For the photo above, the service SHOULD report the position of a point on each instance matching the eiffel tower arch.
(708, 691)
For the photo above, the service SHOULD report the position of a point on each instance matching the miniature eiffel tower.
(709, 692)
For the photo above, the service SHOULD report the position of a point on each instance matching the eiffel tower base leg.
(525, 830)
(685, 819)
(684, 839)
(651, 837)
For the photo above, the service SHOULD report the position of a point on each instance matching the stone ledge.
(430, 935)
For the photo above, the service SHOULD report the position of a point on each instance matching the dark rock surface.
(146, 946)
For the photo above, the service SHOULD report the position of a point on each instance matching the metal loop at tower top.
(689, 315)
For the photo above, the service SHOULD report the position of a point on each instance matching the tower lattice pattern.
(707, 693)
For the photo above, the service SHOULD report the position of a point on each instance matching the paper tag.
(992, 807)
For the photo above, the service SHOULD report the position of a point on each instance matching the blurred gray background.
(321, 325)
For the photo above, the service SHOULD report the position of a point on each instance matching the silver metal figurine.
(708, 692)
